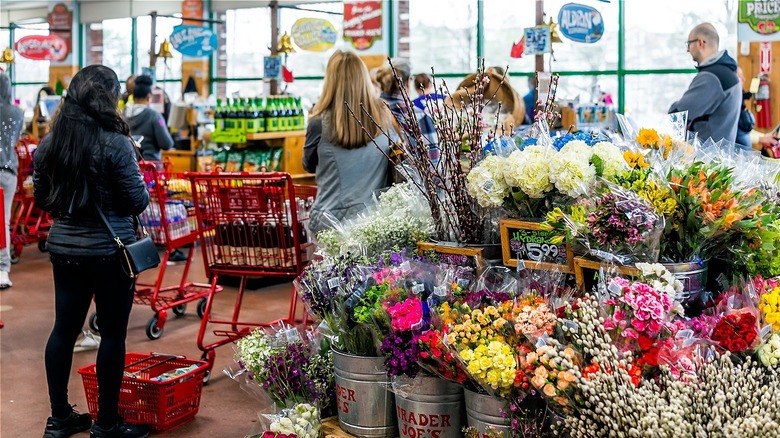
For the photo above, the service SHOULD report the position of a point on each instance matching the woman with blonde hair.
(346, 152)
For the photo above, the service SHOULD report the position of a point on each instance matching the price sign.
(526, 243)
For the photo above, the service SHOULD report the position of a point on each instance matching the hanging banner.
(580, 23)
(362, 22)
(759, 20)
(61, 18)
(42, 48)
(194, 41)
(192, 9)
(313, 34)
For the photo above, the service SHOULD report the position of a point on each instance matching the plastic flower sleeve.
(737, 329)
(495, 285)
(301, 420)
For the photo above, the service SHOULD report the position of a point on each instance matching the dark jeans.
(76, 281)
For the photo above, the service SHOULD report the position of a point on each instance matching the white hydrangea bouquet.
(532, 180)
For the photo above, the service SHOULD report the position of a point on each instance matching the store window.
(443, 35)
(503, 27)
(248, 32)
(117, 44)
(647, 102)
(656, 40)
(28, 70)
(165, 69)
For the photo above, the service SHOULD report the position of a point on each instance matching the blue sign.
(580, 23)
(194, 41)
(272, 67)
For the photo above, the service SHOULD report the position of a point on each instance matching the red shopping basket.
(161, 405)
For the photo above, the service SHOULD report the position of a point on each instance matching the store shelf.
(275, 135)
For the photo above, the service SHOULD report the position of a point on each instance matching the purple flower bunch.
(285, 378)
(401, 350)
(477, 298)
(617, 221)
(320, 283)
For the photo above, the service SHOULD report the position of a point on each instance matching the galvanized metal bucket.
(366, 407)
(484, 411)
(693, 277)
(429, 407)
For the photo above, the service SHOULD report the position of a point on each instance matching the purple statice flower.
(401, 350)
(285, 379)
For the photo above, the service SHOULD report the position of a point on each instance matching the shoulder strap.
(108, 225)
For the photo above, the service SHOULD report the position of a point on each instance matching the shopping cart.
(28, 223)
(171, 223)
(252, 225)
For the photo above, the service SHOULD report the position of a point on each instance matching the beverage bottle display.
(284, 114)
(219, 121)
(240, 116)
(229, 116)
(258, 114)
(250, 111)
(272, 122)
(296, 113)
(299, 109)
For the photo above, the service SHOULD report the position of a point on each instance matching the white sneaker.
(5, 281)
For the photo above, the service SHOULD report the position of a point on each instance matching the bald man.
(714, 98)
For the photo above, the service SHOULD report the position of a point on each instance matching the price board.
(526, 244)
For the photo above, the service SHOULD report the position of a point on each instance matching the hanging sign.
(42, 47)
(61, 18)
(272, 67)
(537, 40)
(313, 34)
(191, 9)
(362, 22)
(580, 23)
(762, 16)
(193, 41)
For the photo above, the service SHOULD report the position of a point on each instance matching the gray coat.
(11, 126)
(713, 100)
(346, 178)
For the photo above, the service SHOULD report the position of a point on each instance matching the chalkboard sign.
(468, 256)
(527, 243)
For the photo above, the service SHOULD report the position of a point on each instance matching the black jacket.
(120, 193)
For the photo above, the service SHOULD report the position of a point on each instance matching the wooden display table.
(331, 429)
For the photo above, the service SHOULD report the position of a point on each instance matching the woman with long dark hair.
(89, 163)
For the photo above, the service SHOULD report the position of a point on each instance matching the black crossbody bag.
(138, 256)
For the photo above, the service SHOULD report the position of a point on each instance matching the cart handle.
(169, 357)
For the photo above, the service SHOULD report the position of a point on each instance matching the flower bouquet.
(299, 421)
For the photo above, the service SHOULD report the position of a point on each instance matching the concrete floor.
(27, 309)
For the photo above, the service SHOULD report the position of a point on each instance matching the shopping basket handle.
(169, 357)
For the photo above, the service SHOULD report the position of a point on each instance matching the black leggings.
(76, 281)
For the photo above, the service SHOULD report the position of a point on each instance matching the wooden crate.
(581, 264)
(538, 241)
(331, 429)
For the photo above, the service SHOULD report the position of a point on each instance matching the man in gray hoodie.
(714, 98)
(11, 125)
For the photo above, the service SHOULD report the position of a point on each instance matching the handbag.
(138, 256)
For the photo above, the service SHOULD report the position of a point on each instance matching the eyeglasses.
(688, 43)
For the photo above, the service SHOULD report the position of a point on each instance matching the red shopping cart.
(171, 223)
(28, 223)
(252, 225)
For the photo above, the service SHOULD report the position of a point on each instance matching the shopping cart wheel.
(180, 309)
(202, 308)
(43, 246)
(93, 322)
(207, 375)
(153, 332)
